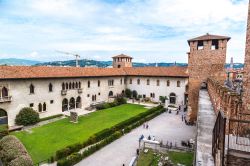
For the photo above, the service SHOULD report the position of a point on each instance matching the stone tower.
(246, 76)
(122, 61)
(206, 58)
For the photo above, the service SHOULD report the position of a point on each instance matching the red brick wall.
(201, 65)
(246, 77)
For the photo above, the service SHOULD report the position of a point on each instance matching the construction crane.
(68, 53)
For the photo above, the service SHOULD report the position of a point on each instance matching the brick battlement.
(224, 99)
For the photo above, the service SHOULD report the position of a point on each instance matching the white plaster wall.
(162, 89)
(21, 97)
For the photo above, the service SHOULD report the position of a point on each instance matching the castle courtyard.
(165, 127)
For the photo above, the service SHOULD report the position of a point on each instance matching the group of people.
(149, 138)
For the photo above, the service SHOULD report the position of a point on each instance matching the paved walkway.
(166, 127)
(205, 124)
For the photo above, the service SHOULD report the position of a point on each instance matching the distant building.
(122, 61)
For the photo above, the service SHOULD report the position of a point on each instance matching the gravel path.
(166, 127)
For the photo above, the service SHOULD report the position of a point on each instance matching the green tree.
(128, 93)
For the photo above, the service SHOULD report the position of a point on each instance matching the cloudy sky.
(148, 30)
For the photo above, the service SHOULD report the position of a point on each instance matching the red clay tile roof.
(122, 56)
(208, 37)
(173, 71)
(26, 72)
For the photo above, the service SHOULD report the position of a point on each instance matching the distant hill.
(18, 62)
(84, 63)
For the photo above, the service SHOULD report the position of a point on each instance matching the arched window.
(73, 85)
(88, 84)
(148, 82)
(67, 86)
(121, 81)
(158, 82)
(32, 89)
(78, 102)
(50, 87)
(40, 107)
(130, 81)
(3, 117)
(172, 98)
(5, 92)
(70, 86)
(65, 105)
(168, 83)
(63, 86)
(138, 81)
(79, 85)
(95, 97)
(178, 83)
(44, 106)
(110, 93)
(72, 103)
(98, 83)
(76, 85)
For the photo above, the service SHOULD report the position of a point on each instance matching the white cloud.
(138, 27)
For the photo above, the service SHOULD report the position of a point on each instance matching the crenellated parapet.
(224, 99)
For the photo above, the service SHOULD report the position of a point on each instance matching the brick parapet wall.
(224, 99)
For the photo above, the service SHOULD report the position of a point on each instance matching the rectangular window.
(158, 82)
(31, 104)
(110, 82)
(178, 83)
(121, 81)
(130, 81)
(98, 83)
(88, 84)
(148, 82)
(215, 45)
(51, 101)
(200, 45)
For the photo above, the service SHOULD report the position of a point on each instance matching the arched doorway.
(3, 117)
(72, 103)
(111, 93)
(65, 105)
(78, 102)
(5, 92)
(40, 107)
(203, 85)
(172, 98)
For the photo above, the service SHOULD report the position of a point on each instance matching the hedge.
(12, 152)
(116, 102)
(105, 134)
(27, 116)
(77, 157)
(50, 117)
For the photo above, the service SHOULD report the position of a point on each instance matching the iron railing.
(218, 139)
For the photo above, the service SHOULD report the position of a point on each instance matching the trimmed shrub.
(121, 100)
(116, 102)
(27, 116)
(23, 160)
(13, 152)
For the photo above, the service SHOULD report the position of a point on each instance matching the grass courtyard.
(42, 142)
(152, 159)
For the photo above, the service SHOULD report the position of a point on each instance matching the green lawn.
(152, 159)
(185, 158)
(44, 141)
